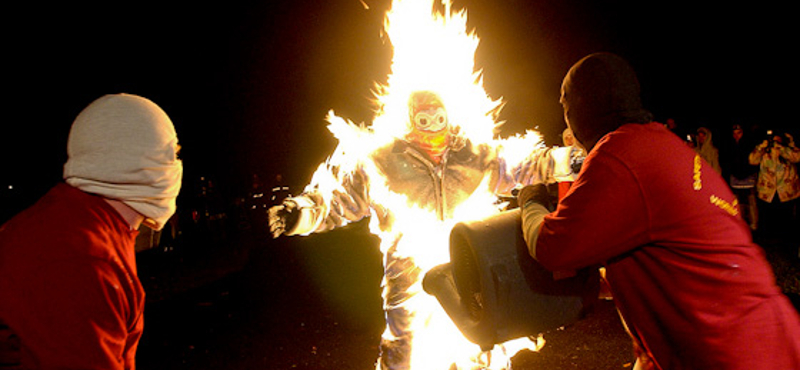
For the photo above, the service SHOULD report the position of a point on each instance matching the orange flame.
(432, 51)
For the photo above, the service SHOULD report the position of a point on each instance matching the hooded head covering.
(706, 149)
(599, 94)
(124, 147)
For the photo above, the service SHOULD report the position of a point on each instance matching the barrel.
(494, 291)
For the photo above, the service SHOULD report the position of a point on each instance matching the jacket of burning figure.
(434, 170)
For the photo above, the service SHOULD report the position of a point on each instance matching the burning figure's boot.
(395, 353)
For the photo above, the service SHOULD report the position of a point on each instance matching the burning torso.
(439, 188)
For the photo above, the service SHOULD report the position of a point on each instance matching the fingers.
(358, 200)
(333, 220)
(352, 204)
(361, 204)
(277, 224)
(351, 207)
(276, 232)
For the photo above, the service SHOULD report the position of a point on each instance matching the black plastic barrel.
(494, 291)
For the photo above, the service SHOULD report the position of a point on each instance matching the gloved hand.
(283, 217)
(537, 193)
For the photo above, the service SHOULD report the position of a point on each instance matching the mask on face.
(430, 129)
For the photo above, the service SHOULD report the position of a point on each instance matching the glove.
(283, 217)
(535, 193)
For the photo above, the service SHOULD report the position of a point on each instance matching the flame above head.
(432, 51)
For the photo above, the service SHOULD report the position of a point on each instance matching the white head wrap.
(124, 147)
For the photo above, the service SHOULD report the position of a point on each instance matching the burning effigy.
(429, 159)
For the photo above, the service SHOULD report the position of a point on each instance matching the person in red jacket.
(687, 279)
(69, 294)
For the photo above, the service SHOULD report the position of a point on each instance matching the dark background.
(248, 85)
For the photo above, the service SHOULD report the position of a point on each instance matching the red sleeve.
(603, 215)
(86, 329)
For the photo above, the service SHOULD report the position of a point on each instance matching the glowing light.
(432, 51)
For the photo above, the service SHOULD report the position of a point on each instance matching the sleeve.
(602, 216)
(791, 153)
(345, 199)
(542, 165)
(536, 167)
(75, 316)
(755, 155)
(532, 217)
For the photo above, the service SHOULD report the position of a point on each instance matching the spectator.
(706, 149)
(673, 126)
(777, 176)
(741, 175)
(693, 288)
(70, 297)
(577, 155)
(691, 141)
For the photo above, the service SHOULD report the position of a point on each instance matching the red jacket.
(681, 263)
(68, 285)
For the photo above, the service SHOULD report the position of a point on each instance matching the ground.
(246, 301)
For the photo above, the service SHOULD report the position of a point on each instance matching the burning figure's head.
(429, 127)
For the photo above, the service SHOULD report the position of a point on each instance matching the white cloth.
(124, 147)
(532, 219)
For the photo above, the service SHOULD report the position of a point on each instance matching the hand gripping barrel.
(494, 291)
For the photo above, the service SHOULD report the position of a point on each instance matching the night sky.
(248, 85)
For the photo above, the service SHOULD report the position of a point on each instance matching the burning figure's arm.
(319, 209)
(542, 165)
(537, 168)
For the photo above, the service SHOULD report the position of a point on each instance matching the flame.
(432, 51)
(435, 52)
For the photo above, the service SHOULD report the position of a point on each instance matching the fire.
(432, 51)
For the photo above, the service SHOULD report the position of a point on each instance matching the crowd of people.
(760, 166)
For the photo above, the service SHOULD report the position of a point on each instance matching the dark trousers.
(778, 219)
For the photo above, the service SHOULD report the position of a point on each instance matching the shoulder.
(634, 134)
(66, 223)
(641, 144)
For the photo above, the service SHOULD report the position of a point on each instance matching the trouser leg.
(400, 276)
(751, 200)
